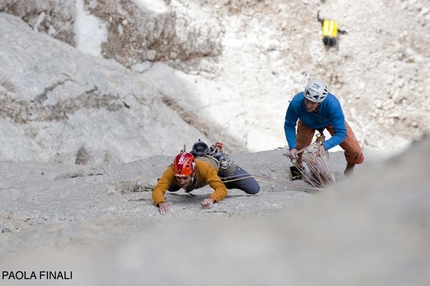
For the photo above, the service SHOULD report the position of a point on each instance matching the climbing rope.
(242, 177)
(321, 171)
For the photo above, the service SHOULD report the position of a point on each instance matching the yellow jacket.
(205, 175)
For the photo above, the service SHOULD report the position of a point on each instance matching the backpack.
(209, 159)
(214, 155)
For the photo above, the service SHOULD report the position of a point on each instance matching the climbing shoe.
(296, 174)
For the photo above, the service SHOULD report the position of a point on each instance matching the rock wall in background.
(58, 104)
(228, 69)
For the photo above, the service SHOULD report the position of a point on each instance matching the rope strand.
(242, 177)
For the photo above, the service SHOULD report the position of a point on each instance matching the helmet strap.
(193, 184)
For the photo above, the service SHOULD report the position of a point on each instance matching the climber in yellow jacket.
(189, 174)
(203, 166)
(329, 31)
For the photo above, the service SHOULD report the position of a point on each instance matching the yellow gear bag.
(329, 28)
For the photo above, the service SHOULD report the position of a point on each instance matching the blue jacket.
(329, 113)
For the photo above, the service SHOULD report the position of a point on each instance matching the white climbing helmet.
(316, 91)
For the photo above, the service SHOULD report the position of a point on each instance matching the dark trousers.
(241, 180)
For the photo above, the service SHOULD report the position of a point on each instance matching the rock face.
(215, 70)
(136, 31)
(59, 101)
(100, 224)
(97, 97)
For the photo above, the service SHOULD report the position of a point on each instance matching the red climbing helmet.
(184, 164)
